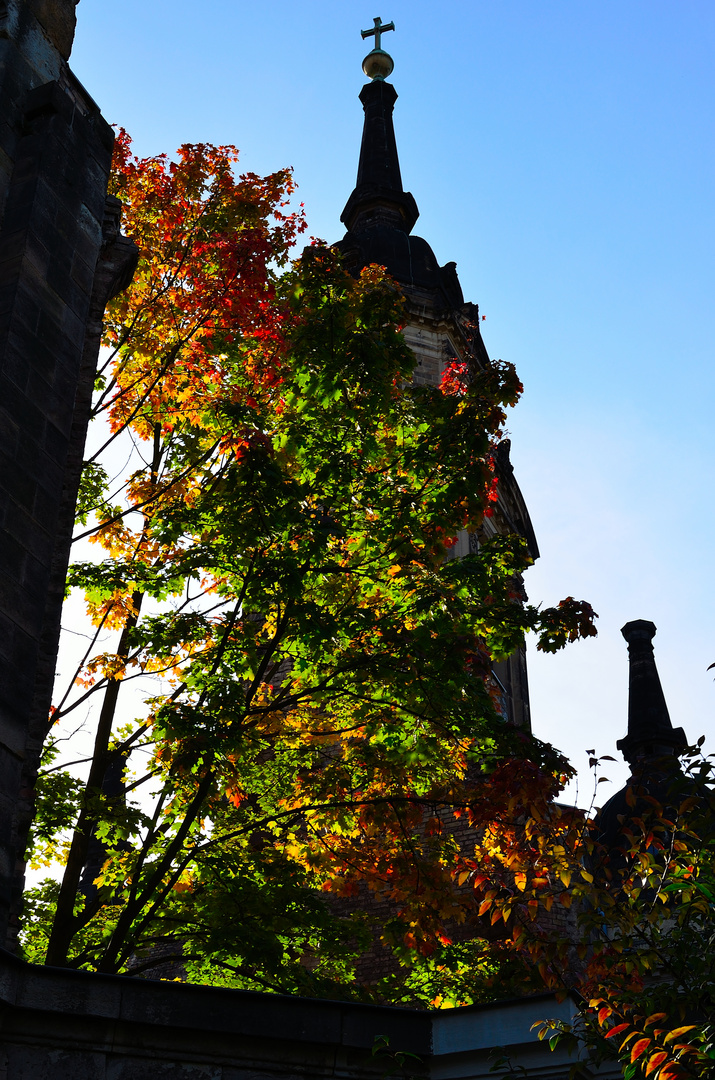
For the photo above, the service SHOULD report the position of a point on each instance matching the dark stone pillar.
(650, 733)
(60, 258)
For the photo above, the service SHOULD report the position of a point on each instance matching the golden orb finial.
(378, 64)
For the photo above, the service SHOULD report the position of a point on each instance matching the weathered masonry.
(71, 1025)
(61, 258)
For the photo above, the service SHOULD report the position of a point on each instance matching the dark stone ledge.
(58, 1023)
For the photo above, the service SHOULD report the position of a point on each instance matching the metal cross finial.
(377, 31)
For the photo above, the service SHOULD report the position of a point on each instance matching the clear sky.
(562, 153)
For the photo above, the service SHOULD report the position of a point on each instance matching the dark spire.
(379, 215)
(378, 196)
(650, 732)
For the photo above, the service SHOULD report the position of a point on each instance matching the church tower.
(379, 217)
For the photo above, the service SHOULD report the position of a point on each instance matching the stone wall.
(70, 1025)
(61, 256)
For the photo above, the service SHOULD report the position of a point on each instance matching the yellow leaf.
(677, 1032)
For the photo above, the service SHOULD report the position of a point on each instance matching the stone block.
(14, 238)
(82, 273)
(24, 185)
(35, 580)
(149, 1068)
(13, 735)
(10, 773)
(41, 371)
(60, 280)
(55, 443)
(50, 328)
(24, 412)
(59, 993)
(20, 486)
(25, 623)
(87, 239)
(12, 556)
(43, 1063)
(36, 256)
(9, 438)
(361, 1024)
(34, 303)
(48, 99)
(73, 327)
(44, 507)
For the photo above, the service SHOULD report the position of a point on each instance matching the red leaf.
(639, 1048)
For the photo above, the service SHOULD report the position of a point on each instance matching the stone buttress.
(61, 258)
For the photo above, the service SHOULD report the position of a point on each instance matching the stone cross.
(377, 31)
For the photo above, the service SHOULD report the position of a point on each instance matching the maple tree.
(274, 566)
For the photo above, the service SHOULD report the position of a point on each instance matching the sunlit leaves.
(322, 717)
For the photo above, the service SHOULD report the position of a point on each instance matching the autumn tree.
(638, 949)
(273, 566)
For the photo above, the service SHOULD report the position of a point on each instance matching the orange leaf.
(639, 1048)
(672, 1071)
(655, 1060)
(655, 1016)
(616, 1030)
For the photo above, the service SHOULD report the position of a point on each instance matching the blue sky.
(563, 155)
